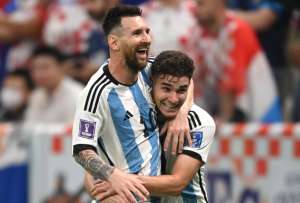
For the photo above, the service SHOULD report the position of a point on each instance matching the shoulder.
(96, 89)
(198, 117)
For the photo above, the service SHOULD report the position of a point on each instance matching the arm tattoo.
(89, 160)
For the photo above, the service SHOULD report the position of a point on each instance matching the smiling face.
(134, 42)
(169, 93)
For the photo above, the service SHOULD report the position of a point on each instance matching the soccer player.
(171, 73)
(115, 109)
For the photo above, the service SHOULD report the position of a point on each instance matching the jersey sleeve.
(202, 138)
(86, 128)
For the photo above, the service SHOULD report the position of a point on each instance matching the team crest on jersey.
(197, 138)
(87, 129)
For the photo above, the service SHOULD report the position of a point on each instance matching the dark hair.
(115, 14)
(173, 63)
(22, 73)
(49, 51)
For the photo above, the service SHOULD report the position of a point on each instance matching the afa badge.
(197, 138)
(87, 129)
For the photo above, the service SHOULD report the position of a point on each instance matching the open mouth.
(142, 51)
(170, 108)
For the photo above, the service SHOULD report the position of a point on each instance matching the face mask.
(11, 98)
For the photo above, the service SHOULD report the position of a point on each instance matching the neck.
(54, 87)
(121, 72)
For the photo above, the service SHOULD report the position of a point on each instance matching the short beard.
(133, 64)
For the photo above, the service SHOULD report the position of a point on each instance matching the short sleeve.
(86, 128)
(202, 138)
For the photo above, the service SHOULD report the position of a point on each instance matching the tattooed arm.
(123, 184)
(89, 160)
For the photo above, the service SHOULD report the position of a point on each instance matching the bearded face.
(136, 57)
(135, 43)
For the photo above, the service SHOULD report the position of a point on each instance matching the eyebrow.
(180, 87)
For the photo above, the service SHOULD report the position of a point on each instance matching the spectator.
(84, 40)
(231, 66)
(15, 92)
(270, 19)
(294, 53)
(170, 17)
(55, 97)
(20, 28)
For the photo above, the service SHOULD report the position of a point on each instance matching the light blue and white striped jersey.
(202, 130)
(119, 121)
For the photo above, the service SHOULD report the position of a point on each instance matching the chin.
(143, 63)
(169, 115)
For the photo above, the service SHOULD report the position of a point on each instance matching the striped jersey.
(202, 130)
(119, 121)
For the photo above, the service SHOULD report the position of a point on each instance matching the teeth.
(143, 49)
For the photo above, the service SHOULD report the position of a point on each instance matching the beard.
(132, 61)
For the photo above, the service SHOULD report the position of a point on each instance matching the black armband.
(80, 147)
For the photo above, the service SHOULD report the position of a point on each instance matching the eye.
(137, 32)
(166, 89)
(182, 91)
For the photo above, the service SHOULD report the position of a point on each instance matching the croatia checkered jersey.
(118, 122)
(202, 130)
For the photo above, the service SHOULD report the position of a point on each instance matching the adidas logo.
(127, 115)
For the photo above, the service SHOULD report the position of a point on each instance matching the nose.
(146, 37)
(173, 97)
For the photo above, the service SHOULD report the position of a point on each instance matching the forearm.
(189, 98)
(164, 185)
(91, 162)
(11, 30)
(184, 169)
(260, 19)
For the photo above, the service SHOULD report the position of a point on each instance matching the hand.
(114, 199)
(125, 185)
(101, 190)
(177, 129)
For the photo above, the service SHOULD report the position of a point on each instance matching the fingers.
(167, 141)
(100, 187)
(188, 136)
(140, 191)
(164, 129)
(175, 143)
(127, 186)
(181, 142)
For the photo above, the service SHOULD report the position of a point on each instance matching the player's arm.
(183, 171)
(178, 129)
(187, 164)
(122, 183)
(90, 161)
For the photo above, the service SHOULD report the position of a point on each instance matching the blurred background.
(247, 57)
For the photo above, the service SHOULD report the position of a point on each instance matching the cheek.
(158, 98)
(182, 98)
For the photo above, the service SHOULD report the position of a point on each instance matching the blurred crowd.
(247, 55)
(246, 52)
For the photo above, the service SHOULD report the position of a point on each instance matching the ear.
(113, 42)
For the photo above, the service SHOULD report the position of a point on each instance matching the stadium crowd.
(246, 54)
